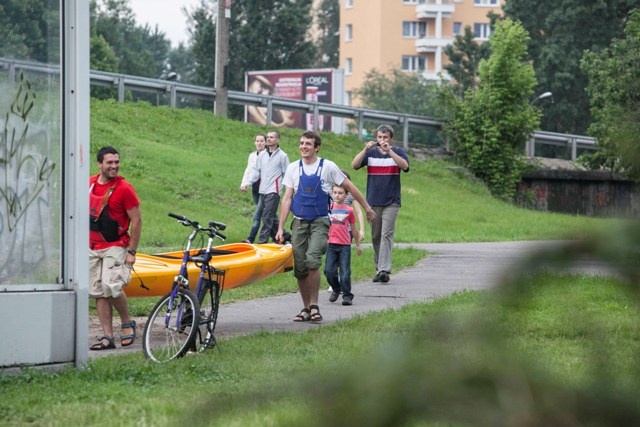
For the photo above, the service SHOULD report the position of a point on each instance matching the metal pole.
(222, 55)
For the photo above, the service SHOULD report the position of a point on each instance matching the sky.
(167, 14)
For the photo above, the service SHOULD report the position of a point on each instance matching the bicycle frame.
(182, 330)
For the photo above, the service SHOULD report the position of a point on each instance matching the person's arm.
(247, 171)
(135, 229)
(400, 161)
(356, 163)
(253, 176)
(285, 208)
(351, 188)
(356, 237)
(360, 217)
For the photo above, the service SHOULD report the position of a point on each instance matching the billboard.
(320, 85)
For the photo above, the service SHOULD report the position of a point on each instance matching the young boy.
(337, 267)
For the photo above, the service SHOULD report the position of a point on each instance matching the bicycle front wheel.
(171, 327)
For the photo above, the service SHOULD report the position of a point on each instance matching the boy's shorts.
(108, 273)
(309, 241)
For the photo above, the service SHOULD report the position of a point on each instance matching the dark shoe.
(101, 346)
(127, 340)
(334, 296)
(246, 241)
(304, 316)
(376, 278)
(315, 316)
(347, 300)
(384, 276)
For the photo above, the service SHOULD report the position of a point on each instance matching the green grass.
(559, 350)
(191, 162)
(563, 342)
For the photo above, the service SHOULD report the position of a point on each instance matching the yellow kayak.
(243, 263)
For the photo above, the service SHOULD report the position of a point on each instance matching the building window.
(414, 29)
(347, 97)
(457, 28)
(349, 3)
(410, 1)
(483, 31)
(348, 65)
(348, 33)
(413, 63)
(486, 2)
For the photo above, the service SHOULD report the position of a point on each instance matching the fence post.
(269, 111)
(574, 148)
(172, 96)
(121, 89)
(405, 132)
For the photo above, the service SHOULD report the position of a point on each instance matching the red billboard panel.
(311, 85)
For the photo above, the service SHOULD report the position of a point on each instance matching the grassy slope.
(191, 162)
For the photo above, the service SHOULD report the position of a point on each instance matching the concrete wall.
(590, 193)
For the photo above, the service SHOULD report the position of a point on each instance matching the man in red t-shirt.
(115, 225)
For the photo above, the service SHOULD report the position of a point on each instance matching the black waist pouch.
(105, 225)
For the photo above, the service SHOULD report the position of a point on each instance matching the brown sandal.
(304, 316)
(315, 317)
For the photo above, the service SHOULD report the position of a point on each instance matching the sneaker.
(376, 278)
(384, 277)
(347, 300)
(246, 241)
(334, 296)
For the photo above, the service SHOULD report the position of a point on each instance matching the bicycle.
(182, 320)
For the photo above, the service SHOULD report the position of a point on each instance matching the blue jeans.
(257, 216)
(337, 268)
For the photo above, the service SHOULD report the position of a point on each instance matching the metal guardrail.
(176, 90)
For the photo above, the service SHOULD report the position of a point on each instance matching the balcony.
(431, 44)
(429, 9)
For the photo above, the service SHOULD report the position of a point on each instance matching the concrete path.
(450, 267)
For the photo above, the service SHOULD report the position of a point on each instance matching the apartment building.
(409, 35)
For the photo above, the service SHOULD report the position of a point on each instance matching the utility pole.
(222, 56)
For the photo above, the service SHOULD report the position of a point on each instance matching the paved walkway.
(450, 267)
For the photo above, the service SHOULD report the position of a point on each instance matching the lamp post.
(530, 146)
(542, 96)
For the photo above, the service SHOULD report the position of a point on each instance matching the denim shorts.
(309, 241)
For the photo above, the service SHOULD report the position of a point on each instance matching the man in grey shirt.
(269, 169)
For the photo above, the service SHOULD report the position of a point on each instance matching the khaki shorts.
(108, 273)
(309, 241)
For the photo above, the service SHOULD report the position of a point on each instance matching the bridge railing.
(177, 90)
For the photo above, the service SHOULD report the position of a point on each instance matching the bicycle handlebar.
(214, 226)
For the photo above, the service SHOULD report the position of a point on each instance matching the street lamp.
(542, 96)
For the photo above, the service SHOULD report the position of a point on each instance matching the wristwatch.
(132, 252)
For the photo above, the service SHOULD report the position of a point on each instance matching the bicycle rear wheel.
(209, 305)
(171, 327)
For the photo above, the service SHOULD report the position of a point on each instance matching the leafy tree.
(263, 35)
(141, 51)
(614, 90)
(398, 91)
(464, 56)
(329, 43)
(405, 92)
(560, 31)
(202, 37)
(489, 126)
(29, 30)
